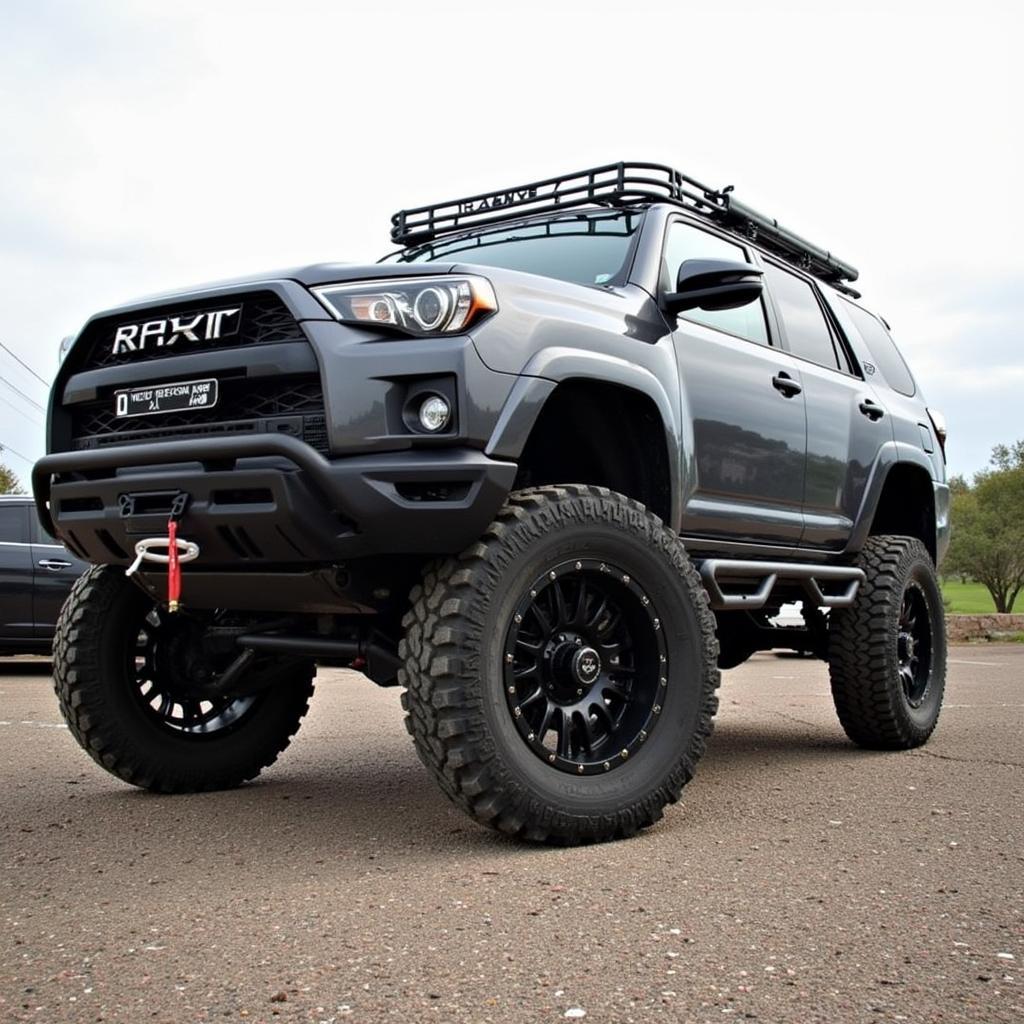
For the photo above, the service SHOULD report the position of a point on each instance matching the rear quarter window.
(883, 350)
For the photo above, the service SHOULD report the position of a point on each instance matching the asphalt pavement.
(800, 879)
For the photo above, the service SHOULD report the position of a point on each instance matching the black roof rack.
(618, 184)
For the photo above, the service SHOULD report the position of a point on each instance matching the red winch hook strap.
(173, 566)
(179, 551)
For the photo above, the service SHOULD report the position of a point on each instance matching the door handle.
(871, 410)
(784, 383)
(54, 564)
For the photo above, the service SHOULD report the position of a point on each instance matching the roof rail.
(618, 184)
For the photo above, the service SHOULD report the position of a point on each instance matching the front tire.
(122, 670)
(887, 653)
(561, 673)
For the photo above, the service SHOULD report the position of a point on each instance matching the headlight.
(65, 347)
(416, 305)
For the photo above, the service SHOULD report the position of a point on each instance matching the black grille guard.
(204, 450)
(334, 479)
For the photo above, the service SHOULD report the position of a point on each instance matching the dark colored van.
(36, 575)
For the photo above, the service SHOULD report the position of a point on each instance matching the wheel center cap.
(586, 665)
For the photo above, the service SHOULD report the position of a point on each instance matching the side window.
(13, 524)
(881, 346)
(803, 319)
(686, 242)
(36, 531)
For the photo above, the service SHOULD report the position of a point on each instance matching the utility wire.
(31, 419)
(18, 390)
(18, 359)
(8, 448)
(21, 362)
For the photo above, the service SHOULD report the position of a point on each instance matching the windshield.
(586, 248)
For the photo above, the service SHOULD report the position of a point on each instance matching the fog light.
(435, 413)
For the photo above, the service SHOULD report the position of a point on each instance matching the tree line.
(9, 483)
(988, 526)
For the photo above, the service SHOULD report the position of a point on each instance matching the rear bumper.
(260, 501)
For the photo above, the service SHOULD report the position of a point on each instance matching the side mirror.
(714, 284)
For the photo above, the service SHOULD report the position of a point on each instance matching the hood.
(309, 275)
(291, 283)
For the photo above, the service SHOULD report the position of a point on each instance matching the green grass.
(969, 598)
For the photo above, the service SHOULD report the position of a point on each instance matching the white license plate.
(177, 397)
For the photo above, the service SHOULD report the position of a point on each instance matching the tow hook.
(172, 551)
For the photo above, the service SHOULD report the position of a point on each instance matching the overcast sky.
(146, 146)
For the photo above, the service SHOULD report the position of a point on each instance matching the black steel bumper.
(260, 501)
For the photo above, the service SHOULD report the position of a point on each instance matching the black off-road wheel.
(132, 684)
(887, 653)
(561, 673)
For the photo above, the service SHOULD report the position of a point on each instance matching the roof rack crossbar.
(617, 184)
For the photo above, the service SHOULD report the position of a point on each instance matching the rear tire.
(180, 745)
(887, 653)
(561, 673)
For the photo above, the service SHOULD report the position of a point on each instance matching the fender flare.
(890, 454)
(553, 366)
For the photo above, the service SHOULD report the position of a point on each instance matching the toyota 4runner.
(549, 467)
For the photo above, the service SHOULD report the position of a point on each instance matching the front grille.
(265, 320)
(292, 404)
(286, 405)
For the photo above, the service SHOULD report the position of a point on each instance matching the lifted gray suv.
(549, 467)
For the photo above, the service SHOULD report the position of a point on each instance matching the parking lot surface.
(800, 879)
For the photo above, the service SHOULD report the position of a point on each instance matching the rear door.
(889, 374)
(847, 421)
(743, 396)
(15, 572)
(55, 570)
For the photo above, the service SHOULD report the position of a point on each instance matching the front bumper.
(263, 501)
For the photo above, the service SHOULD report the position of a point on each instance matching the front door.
(744, 470)
(56, 570)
